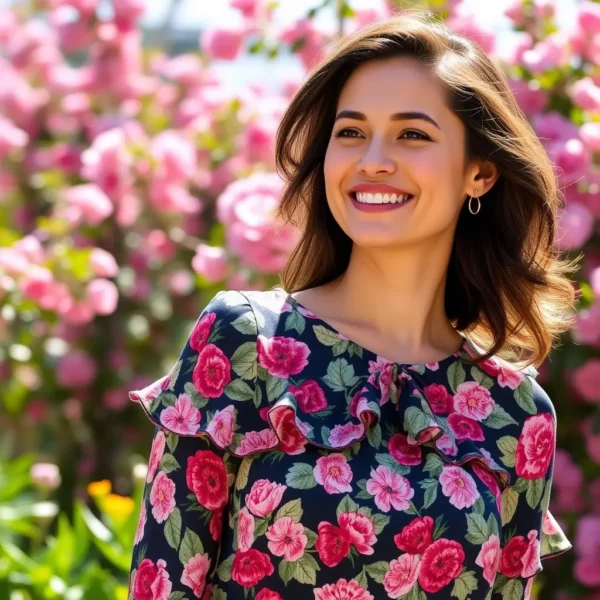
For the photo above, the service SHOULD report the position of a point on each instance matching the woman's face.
(418, 155)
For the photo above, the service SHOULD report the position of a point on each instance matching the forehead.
(394, 84)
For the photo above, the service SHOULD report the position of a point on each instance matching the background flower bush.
(133, 187)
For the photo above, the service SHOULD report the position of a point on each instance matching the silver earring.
(474, 212)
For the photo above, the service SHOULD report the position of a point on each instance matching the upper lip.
(377, 188)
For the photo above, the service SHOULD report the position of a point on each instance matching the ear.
(481, 177)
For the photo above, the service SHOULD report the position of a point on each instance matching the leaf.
(300, 476)
(481, 378)
(168, 463)
(377, 570)
(508, 446)
(292, 509)
(464, 584)
(340, 375)
(246, 323)
(513, 590)
(379, 522)
(173, 528)
(198, 400)
(456, 375)
(241, 480)
(326, 336)
(168, 399)
(260, 527)
(394, 466)
(434, 465)
(545, 501)
(431, 489)
(306, 569)
(362, 580)
(498, 418)
(479, 506)
(172, 440)
(346, 505)
(415, 593)
(287, 570)
(239, 390)
(174, 374)
(374, 435)
(177, 596)
(535, 491)
(524, 396)
(275, 388)
(510, 499)
(415, 420)
(477, 529)
(492, 524)
(224, 570)
(296, 321)
(243, 361)
(190, 546)
(311, 537)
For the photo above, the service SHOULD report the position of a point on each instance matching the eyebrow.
(400, 116)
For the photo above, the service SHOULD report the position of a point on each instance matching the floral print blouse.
(289, 462)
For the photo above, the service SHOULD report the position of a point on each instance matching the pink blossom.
(89, 203)
(45, 475)
(489, 558)
(129, 11)
(447, 444)
(313, 40)
(195, 572)
(586, 378)
(76, 369)
(552, 127)
(474, 401)
(590, 135)
(361, 531)
(549, 53)
(282, 356)
(156, 454)
(576, 226)
(402, 575)
(221, 425)
(588, 17)
(245, 530)
(141, 525)
(103, 296)
(459, 486)
(182, 418)
(175, 156)
(103, 263)
(162, 497)
(255, 441)
(586, 571)
(211, 262)
(464, 22)
(36, 282)
(334, 473)
(389, 489)
(223, 43)
(287, 539)
(11, 138)
(586, 94)
(264, 497)
(342, 590)
(343, 435)
(531, 559)
(172, 198)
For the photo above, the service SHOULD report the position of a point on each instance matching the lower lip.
(375, 208)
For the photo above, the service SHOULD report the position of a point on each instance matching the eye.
(342, 134)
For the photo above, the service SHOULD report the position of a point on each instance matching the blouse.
(289, 462)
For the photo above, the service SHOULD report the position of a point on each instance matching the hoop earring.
(474, 212)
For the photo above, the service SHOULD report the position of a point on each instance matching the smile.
(379, 202)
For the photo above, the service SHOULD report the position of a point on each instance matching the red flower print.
(216, 524)
(535, 447)
(282, 356)
(249, 567)
(212, 372)
(403, 452)
(309, 395)
(152, 581)
(283, 422)
(511, 561)
(342, 590)
(439, 398)
(361, 530)
(464, 428)
(474, 401)
(416, 537)
(267, 594)
(201, 332)
(206, 476)
(333, 544)
(440, 564)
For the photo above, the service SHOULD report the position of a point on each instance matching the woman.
(344, 439)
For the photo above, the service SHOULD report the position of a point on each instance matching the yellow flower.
(118, 506)
(99, 488)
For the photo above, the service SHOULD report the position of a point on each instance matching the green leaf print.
(275, 388)
(340, 375)
(300, 476)
(287, 570)
(260, 526)
(498, 418)
(168, 463)
(374, 435)
(246, 323)
(241, 480)
(510, 499)
(346, 505)
(377, 570)
(190, 546)
(168, 399)
(508, 446)
(243, 361)
(197, 400)
(173, 529)
(340, 348)
(415, 593)
(362, 580)
(325, 431)
(379, 522)
(477, 529)
(535, 491)
(306, 569)
(481, 378)
(295, 321)
(456, 375)
(311, 536)
(174, 375)
(292, 509)
(388, 461)
(464, 584)
(513, 590)
(239, 390)
(434, 465)
(177, 596)
(492, 524)
(217, 594)
(415, 420)
(431, 489)
(224, 570)
(524, 396)
(326, 336)
(172, 440)
(479, 506)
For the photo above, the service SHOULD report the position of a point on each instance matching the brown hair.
(506, 284)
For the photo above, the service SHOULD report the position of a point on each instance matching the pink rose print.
(440, 564)
(162, 497)
(291, 439)
(334, 473)
(182, 418)
(531, 559)
(416, 537)
(473, 401)
(199, 336)
(194, 573)
(355, 400)
(464, 428)
(361, 530)
(402, 575)
(459, 486)
(345, 435)
(245, 530)
(255, 441)
(249, 567)
(447, 444)
(506, 376)
(287, 539)
(333, 544)
(389, 489)
(139, 532)
(489, 558)
(221, 425)
(439, 398)
(156, 453)
(206, 476)
(152, 581)
(267, 594)
(282, 356)
(384, 368)
(342, 590)
(264, 497)
(403, 452)
(511, 558)
(535, 447)
(309, 395)
(212, 372)
(549, 524)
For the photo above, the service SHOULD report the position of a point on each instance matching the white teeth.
(381, 198)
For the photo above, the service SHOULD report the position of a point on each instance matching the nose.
(375, 160)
